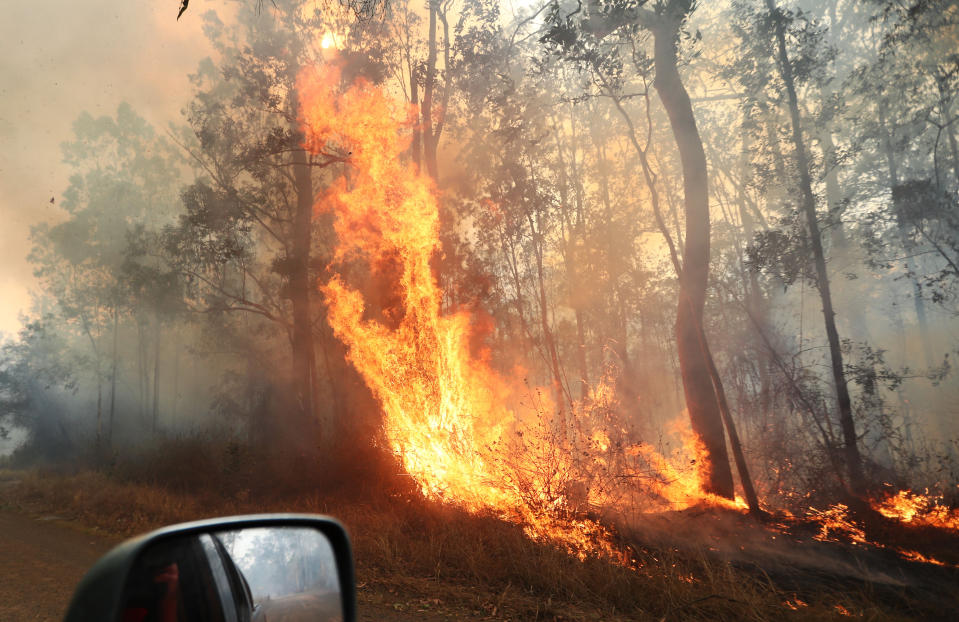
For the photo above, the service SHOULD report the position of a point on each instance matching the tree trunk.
(416, 147)
(426, 115)
(834, 199)
(99, 436)
(559, 390)
(573, 233)
(156, 373)
(949, 124)
(142, 381)
(304, 353)
(851, 449)
(701, 401)
(113, 378)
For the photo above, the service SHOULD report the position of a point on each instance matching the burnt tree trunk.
(426, 114)
(416, 148)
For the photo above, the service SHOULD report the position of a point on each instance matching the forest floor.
(423, 561)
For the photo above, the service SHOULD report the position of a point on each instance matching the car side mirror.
(241, 569)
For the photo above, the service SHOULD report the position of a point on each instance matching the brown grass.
(417, 556)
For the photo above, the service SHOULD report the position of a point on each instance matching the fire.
(795, 603)
(416, 362)
(916, 556)
(461, 431)
(918, 509)
(681, 484)
(835, 525)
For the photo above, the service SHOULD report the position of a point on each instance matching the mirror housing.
(100, 594)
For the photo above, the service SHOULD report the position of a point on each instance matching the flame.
(416, 362)
(916, 556)
(682, 474)
(464, 433)
(918, 509)
(795, 603)
(835, 525)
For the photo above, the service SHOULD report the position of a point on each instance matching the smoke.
(56, 60)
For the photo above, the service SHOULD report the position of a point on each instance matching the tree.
(246, 241)
(123, 178)
(701, 383)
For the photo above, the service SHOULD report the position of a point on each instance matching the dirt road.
(41, 560)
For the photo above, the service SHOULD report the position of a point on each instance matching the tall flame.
(442, 405)
(460, 429)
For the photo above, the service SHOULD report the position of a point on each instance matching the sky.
(57, 59)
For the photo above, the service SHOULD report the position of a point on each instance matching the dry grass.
(417, 556)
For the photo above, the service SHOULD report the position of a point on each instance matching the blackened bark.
(416, 147)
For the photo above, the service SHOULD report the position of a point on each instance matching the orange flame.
(918, 509)
(433, 392)
(459, 428)
(464, 433)
(835, 525)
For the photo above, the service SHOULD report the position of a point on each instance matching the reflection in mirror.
(289, 573)
(256, 574)
(172, 581)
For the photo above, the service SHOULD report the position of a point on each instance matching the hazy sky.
(61, 57)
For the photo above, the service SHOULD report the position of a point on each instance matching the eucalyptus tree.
(705, 397)
(909, 90)
(124, 179)
(246, 242)
(778, 26)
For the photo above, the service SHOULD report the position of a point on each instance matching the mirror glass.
(280, 574)
(290, 571)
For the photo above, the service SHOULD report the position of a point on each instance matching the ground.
(425, 561)
(41, 560)
(43, 557)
